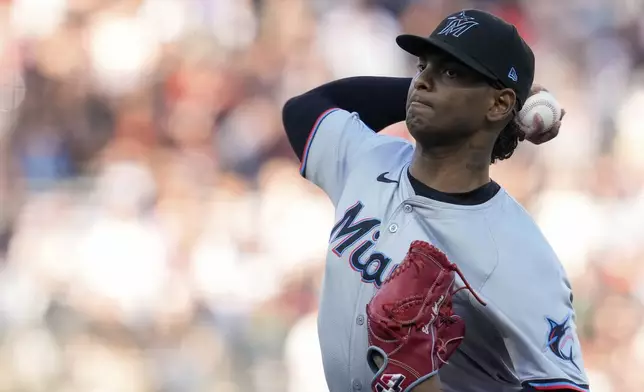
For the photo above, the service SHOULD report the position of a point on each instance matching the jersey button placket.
(357, 385)
(360, 319)
(393, 228)
(408, 208)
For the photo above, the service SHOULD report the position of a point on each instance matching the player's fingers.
(548, 135)
(540, 139)
(563, 113)
(555, 129)
(537, 88)
(538, 125)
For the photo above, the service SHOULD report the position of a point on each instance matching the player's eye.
(450, 73)
(421, 67)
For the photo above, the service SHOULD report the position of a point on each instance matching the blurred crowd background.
(155, 234)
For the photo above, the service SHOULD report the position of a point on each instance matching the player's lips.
(417, 101)
(418, 105)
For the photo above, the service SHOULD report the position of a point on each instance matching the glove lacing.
(451, 267)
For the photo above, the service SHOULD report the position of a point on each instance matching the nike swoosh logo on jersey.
(382, 178)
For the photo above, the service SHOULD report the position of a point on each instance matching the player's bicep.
(552, 357)
(542, 337)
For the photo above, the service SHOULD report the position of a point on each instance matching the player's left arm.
(531, 389)
(332, 128)
(539, 321)
(380, 102)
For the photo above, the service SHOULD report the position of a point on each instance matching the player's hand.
(541, 135)
(411, 324)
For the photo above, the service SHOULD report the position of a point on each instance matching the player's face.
(447, 101)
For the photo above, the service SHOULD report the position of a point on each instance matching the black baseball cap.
(484, 42)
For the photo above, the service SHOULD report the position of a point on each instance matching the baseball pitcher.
(436, 278)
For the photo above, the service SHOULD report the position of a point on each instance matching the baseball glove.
(411, 323)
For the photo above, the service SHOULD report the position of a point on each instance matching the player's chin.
(421, 130)
(419, 119)
(427, 133)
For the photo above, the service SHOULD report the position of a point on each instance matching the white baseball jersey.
(526, 335)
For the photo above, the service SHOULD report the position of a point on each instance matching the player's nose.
(424, 81)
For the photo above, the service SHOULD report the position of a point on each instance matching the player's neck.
(451, 169)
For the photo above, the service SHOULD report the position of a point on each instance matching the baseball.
(544, 104)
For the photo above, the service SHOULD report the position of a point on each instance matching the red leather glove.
(410, 320)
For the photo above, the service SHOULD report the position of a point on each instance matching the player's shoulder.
(340, 118)
(382, 150)
(520, 240)
(381, 170)
(517, 221)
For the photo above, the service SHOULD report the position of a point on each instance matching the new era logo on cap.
(513, 75)
(458, 24)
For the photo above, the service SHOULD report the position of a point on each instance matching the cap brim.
(419, 46)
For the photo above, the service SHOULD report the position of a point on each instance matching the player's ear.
(502, 104)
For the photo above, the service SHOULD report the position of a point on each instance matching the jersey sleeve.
(538, 320)
(338, 142)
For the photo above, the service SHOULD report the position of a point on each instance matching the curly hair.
(507, 142)
(508, 139)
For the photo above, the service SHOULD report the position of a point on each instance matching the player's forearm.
(379, 101)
